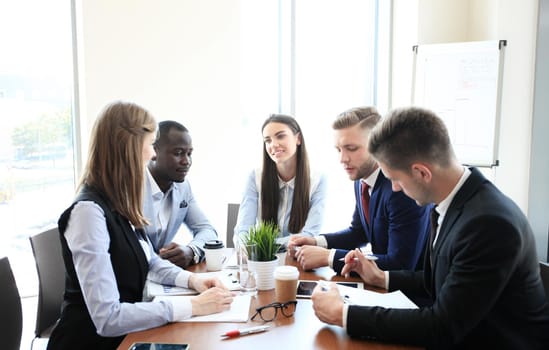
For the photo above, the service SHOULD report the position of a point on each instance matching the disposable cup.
(285, 283)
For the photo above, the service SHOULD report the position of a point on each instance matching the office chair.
(11, 322)
(544, 272)
(232, 215)
(46, 247)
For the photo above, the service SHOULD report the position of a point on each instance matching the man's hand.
(211, 301)
(366, 269)
(178, 255)
(298, 241)
(310, 257)
(328, 305)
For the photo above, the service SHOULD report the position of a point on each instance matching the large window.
(36, 151)
(311, 59)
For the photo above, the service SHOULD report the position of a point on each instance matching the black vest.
(75, 329)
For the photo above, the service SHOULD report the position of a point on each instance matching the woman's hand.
(201, 284)
(211, 301)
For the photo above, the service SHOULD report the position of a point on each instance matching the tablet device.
(158, 346)
(305, 288)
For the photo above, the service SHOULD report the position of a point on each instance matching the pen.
(239, 332)
(367, 256)
(325, 286)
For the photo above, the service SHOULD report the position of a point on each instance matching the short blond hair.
(367, 117)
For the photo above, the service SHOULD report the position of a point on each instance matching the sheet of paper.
(239, 311)
(396, 299)
(228, 277)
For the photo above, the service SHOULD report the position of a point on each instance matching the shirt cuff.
(386, 280)
(344, 316)
(321, 241)
(182, 279)
(182, 308)
(331, 258)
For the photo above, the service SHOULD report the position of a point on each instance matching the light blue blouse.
(250, 213)
(88, 240)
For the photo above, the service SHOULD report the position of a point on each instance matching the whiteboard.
(461, 83)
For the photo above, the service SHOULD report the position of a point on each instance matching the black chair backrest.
(11, 321)
(544, 272)
(46, 247)
(232, 215)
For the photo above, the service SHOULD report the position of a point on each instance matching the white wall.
(439, 21)
(180, 60)
(539, 169)
(191, 72)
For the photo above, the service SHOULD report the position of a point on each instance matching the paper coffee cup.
(285, 283)
(215, 255)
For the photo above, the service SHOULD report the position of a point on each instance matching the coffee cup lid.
(213, 244)
(286, 272)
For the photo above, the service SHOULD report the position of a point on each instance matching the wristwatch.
(196, 258)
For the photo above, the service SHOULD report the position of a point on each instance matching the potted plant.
(261, 248)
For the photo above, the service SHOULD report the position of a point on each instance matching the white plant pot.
(265, 273)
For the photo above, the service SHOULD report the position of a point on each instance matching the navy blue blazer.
(485, 282)
(398, 232)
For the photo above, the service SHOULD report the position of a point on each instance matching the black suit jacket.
(485, 282)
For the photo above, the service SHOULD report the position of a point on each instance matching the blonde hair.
(115, 164)
(367, 117)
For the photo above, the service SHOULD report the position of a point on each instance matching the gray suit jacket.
(185, 210)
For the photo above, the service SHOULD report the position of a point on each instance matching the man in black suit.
(481, 268)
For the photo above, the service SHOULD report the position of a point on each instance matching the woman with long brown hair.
(107, 255)
(284, 191)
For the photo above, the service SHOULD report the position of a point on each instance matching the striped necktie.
(433, 232)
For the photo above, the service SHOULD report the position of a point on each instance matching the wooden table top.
(302, 331)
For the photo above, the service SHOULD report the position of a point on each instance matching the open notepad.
(239, 311)
(228, 278)
(396, 299)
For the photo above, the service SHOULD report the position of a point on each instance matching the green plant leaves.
(262, 237)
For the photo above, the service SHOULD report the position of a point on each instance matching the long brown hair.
(270, 193)
(115, 161)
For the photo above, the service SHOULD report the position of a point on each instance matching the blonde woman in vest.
(107, 255)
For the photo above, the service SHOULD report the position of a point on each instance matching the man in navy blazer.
(481, 269)
(168, 200)
(396, 227)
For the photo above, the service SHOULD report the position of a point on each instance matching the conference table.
(301, 331)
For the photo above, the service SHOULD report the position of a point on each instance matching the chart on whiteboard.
(460, 82)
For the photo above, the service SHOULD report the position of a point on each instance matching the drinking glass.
(247, 278)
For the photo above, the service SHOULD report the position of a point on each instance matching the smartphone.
(305, 288)
(158, 346)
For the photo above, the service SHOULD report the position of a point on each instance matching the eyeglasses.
(268, 312)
